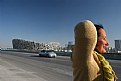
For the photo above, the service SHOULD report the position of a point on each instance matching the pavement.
(9, 72)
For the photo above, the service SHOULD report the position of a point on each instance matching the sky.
(44, 21)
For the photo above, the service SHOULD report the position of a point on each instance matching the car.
(47, 53)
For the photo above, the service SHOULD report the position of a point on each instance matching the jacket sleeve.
(82, 55)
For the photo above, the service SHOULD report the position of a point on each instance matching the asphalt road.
(46, 69)
(116, 65)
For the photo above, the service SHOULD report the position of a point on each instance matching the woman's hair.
(98, 27)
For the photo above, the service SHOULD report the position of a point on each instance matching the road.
(116, 64)
(48, 69)
(44, 69)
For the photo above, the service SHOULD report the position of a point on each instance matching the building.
(68, 47)
(118, 45)
(30, 45)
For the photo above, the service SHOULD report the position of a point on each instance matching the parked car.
(47, 53)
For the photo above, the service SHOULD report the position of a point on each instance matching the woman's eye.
(105, 39)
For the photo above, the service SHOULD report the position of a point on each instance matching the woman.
(101, 39)
(88, 63)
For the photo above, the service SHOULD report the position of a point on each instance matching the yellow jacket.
(86, 64)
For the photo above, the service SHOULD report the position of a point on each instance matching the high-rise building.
(118, 45)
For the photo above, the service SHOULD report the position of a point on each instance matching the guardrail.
(113, 56)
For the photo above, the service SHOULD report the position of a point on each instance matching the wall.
(113, 56)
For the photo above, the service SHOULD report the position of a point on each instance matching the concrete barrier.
(113, 56)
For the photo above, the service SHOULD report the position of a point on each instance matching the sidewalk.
(9, 72)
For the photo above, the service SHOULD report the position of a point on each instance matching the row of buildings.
(30, 45)
(23, 44)
(116, 49)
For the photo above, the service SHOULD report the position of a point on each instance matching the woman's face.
(101, 41)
